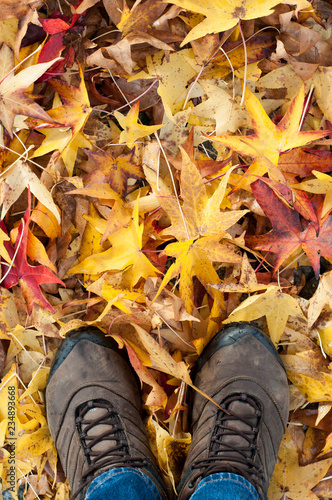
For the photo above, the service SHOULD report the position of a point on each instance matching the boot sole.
(229, 335)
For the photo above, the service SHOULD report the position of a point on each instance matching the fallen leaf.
(322, 184)
(276, 306)
(173, 74)
(46, 220)
(115, 170)
(18, 10)
(288, 234)
(124, 253)
(140, 16)
(307, 371)
(132, 130)
(292, 480)
(222, 17)
(219, 66)
(247, 283)
(199, 225)
(302, 161)
(14, 100)
(18, 177)
(269, 139)
(28, 277)
(73, 113)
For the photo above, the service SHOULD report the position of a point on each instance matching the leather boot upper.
(95, 373)
(243, 373)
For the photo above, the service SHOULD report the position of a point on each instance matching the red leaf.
(297, 199)
(52, 48)
(302, 161)
(28, 277)
(54, 26)
(287, 233)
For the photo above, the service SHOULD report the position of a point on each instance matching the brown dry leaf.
(120, 54)
(168, 305)
(37, 486)
(248, 280)
(10, 9)
(115, 170)
(302, 47)
(140, 17)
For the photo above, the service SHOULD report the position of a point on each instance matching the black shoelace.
(226, 457)
(118, 451)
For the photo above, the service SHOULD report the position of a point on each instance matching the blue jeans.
(130, 484)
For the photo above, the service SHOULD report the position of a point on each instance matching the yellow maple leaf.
(132, 130)
(120, 297)
(199, 226)
(200, 214)
(195, 258)
(307, 372)
(223, 15)
(173, 74)
(46, 220)
(21, 435)
(273, 304)
(125, 253)
(90, 244)
(169, 451)
(269, 140)
(73, 113)
(293, 480)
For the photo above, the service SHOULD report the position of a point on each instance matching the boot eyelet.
(190, 485)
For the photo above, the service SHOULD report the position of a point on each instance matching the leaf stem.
(173, 184)
(245, 63)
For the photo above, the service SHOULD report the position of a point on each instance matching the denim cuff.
(225, 486)
(122, 483)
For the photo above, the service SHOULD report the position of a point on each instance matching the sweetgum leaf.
(28, 277)
(288, 233)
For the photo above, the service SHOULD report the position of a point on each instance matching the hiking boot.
(243, 373)
(93, 409)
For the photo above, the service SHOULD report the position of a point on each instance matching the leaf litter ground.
(165, 170)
